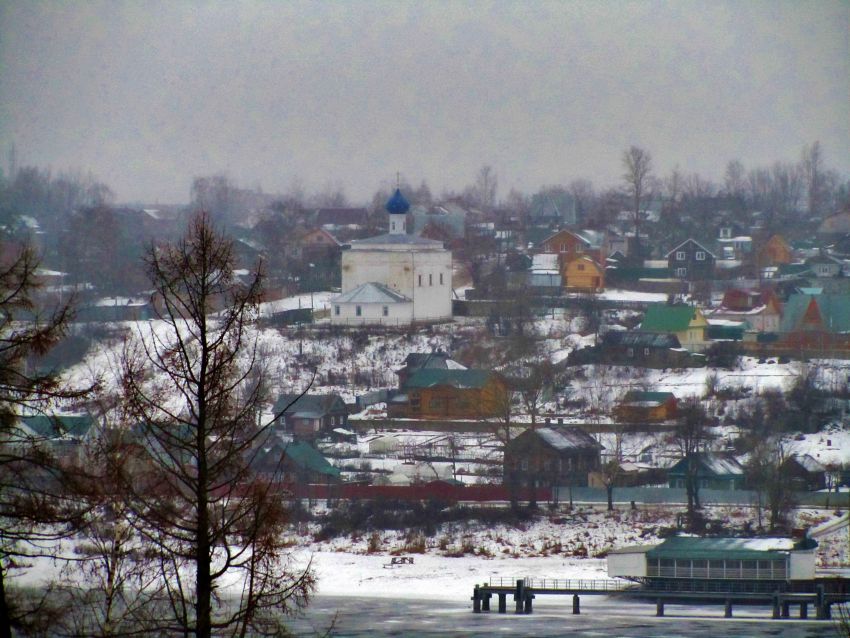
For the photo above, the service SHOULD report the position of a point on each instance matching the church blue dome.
(397, 204)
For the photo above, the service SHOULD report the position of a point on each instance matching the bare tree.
(196, 390)
(766, 470)
(637, 163)
(734, 179)
(34, 511)
(691, 436)
(486, 183)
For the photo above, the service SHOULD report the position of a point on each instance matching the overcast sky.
(148, 94)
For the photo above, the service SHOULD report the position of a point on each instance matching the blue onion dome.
(397, 204)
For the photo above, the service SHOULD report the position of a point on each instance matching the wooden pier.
(523, 591)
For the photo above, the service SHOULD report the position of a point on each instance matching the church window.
(430, 280)
(420, 280)
(441, 279)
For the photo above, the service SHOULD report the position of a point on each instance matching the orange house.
(583, 273)
(775, 251)
(434, 393)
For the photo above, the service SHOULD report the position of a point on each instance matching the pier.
(523, 591)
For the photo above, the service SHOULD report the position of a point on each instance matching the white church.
(396, 278)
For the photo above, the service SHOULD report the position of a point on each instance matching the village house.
(638, 349)
(434, 393)
(646, 407)
(583, 273)
(815, 320)
(692, 261)
(686, 322)
(416, 361)
(570, 244)
(824, 266)
(775, 252)
(804, 473)
(296, 463)
(551, 456)
(309, 415)
(760, 309)
(715, 471)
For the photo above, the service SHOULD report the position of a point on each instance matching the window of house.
(563, 248)
(630, 352)
(434, 404)
(646, 351)
(386, 310)
(700, 255)
(681, 272)
(581, 266)
(524, 465)
(336, 310)
(680, 255)
(359, 311)
(441, 279)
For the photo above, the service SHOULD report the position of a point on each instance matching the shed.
(715, 471)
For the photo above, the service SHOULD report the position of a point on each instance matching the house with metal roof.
(637, 348)
(646, 407)
(434, 393)
(296, 462)
(309, 415)
(692, 261)
(372, 303)
(715, 471)
(550, 456)
(686, 322)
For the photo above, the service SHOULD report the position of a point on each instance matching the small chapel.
(395, 278)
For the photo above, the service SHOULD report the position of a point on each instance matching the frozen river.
(601, 617)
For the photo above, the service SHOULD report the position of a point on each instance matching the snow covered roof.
(567, 437)
(371, 292)
(389, 239)
(545, 261)
(718, 547)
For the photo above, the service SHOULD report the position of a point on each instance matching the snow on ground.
(830, 446)
(317, 300)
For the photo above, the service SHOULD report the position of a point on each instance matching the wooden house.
(775, 252)
(646, 407)
(640, 349)
(294, 463)
(686, 322)
(817, 321)
(584, 273)
(804, 473)
(554, 455)
(692, 261)
(434, 393)
(715, 471)
(310, 415)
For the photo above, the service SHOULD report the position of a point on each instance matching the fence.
(671, 495)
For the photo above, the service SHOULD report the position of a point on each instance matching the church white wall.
(425, 277)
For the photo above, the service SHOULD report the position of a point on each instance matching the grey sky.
(148, 94)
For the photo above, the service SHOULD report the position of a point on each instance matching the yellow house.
(583, 273)
(686, 322)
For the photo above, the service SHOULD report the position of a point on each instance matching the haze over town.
(326, 316)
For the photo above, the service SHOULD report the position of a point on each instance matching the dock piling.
(727, 612)
(576, 603)
(659, 607)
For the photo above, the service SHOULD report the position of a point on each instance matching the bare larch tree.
(195, 390)
(637, 164)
